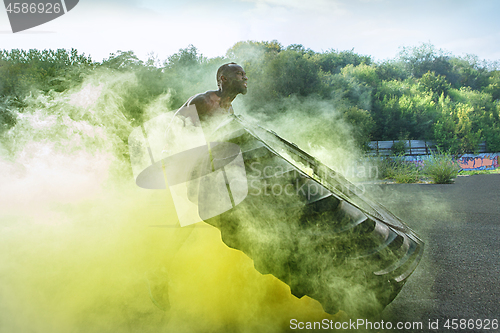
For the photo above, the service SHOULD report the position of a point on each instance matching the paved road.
(459, 276)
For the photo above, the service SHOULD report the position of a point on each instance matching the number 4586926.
(32, 8)
(464, 324)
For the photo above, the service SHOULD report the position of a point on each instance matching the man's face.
(236, 79)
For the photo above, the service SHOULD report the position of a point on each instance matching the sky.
(378, 28)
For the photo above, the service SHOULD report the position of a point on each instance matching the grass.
(442, 169)
(401, 171)
(439, 169)
(406, 173)
(479, 172)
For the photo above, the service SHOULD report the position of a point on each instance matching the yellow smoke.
(83, 249)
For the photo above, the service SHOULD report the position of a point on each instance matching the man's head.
(232, 78)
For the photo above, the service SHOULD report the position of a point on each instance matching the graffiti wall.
(485, 161)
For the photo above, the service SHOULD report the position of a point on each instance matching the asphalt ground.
(459, 275)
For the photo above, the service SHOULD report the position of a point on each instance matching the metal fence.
(412, 147)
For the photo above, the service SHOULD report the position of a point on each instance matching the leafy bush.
(399, 169)
(406, 171)
(399, 147)
(442, 169)
(386, 167)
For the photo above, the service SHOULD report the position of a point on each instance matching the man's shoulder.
(203, 98)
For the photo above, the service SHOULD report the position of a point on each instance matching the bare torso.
(209, 104)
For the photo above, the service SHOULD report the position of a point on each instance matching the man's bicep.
(200, 102)
(196, 99)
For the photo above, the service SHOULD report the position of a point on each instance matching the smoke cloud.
(83, 249)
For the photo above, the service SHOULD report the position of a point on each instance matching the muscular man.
(231, 80)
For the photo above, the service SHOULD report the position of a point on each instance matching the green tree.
(362, 125)
(333, 61)
(455, 130)
(363, 73)
(419, 60)
(468, 71)
(392, 70)
(436, 85)
(493, 86)
(26, 71)
(122, 60)
(402, 109)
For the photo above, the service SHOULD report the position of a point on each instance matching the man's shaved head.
(222, 71)
(232, 80)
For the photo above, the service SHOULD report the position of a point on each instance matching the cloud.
(317, 6)
(371, 27)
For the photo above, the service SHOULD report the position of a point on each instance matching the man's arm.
(206, 104)
(202, 103)
(196, 100)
